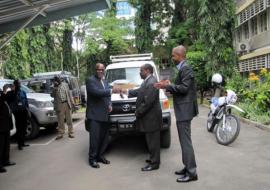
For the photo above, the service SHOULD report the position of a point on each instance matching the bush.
(254, 114)
(253, 95)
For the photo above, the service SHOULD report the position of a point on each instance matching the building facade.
(252, 35)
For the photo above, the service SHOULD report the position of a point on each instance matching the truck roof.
(129, 64)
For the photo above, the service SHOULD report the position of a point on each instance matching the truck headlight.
(165, 104)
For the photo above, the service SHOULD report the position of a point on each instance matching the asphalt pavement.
(63, 165)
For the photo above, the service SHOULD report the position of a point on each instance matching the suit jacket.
(148, 109)
(57, 99)
(184, 94)
(98, 99)
(5, 117)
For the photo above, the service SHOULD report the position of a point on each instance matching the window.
(254, 29)
(246, 30)
(130, 75)
(263, 21)
(239, 34)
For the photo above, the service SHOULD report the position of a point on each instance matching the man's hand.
(162, 84)
(116, 90)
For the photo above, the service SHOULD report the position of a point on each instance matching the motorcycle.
(225, 125)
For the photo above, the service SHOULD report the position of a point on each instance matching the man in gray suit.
(149, 115)
(185, 108)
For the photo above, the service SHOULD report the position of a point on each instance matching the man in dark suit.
(6, 125)
(185, 108)
(97, 113)
(149, 115)
(20, 108)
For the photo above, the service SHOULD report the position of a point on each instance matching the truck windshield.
(130, 75)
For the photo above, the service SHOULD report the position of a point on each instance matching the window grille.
(247, 13)
(255, 63)
(262, 7)
(257, 7)
(252, 10)
(268, 66)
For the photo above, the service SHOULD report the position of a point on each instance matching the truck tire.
(165, 138)
(32, 129)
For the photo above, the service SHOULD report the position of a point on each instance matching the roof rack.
(51, 73)
(131, 57)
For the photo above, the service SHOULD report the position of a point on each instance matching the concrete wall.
(259, 41)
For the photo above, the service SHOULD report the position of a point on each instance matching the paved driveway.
(62, 165)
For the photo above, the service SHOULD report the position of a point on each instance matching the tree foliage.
(217, 24)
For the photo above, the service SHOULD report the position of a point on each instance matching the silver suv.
(124, 71)
(41, 108)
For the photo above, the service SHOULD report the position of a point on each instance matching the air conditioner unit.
(243, 47)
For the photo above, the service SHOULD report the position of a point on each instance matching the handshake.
(118, 90)
(162, 84)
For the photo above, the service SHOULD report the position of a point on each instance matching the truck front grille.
(123, 107)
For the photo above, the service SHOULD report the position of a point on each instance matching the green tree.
(16, 64)
(67, 45)
(143, 32)
(217, 24)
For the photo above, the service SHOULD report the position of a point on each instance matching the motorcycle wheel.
(209, 124)
(227, 134)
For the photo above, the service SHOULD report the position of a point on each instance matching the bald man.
(185, 108)
(97, 113)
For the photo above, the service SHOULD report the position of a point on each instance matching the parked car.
(41, 108)
(124, 71)
(43, 83)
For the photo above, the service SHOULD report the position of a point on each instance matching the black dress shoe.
(187, 178)
(24, 145)
(150, 168)
(94, 164)
(2, 170)
(9, 163)
(103, 160)
(181, 172)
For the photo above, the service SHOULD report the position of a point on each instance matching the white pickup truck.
(125, 70)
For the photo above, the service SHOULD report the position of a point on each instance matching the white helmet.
(217, 78)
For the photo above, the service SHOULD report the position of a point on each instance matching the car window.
(26, 89)
(131, 75)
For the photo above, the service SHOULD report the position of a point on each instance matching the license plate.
(125, 126)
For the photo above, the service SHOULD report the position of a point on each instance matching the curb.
(255, 124)
(247, 121)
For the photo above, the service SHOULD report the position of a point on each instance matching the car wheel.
(165, 138)
(32, 129)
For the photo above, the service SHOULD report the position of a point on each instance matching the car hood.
(42, 97)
